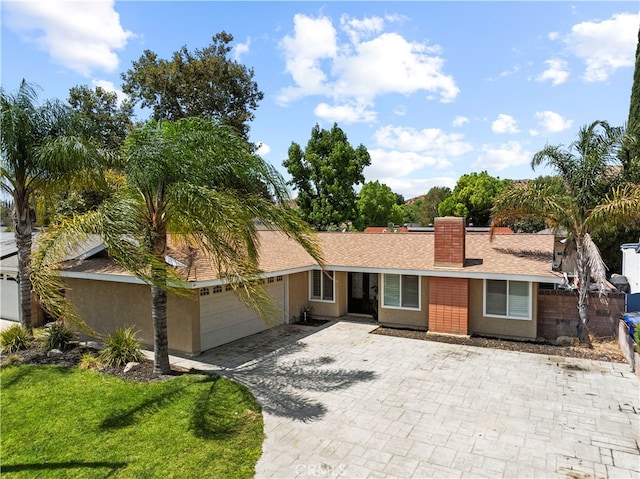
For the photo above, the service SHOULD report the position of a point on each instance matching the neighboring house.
(446, 281)
(631, 265)
(9, 301)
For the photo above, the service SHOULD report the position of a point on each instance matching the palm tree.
(591, 198)
(41, 147)
(198, 181)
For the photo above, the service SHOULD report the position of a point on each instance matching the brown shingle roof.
(514, 255)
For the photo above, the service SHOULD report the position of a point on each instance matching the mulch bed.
(604, 349)
(35, 355)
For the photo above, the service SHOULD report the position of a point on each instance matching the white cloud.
(344, 113)
(605, 45)
(263, 149)
(241, 49)
(430, 140)
(557, 72)
(388, 163)
(504, 124)
(109, 86)
(82, 36)
(502, 157)
(350, 69)
(459, 121)
(552, 121)
(533, 132)
(357, 29)
(412, 187)
(553, 35)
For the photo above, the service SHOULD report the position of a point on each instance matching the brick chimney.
(449, 242)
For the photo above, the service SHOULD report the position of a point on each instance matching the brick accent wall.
(449, 241)
(558, 314)
(449, 305)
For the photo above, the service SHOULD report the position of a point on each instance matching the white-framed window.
(507, 299)
(401, 291)
(321, 286)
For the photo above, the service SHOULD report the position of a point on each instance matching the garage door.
(223, 318)
(9, 297)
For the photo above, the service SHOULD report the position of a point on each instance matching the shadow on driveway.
(280, 375)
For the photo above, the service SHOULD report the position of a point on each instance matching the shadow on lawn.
(280, 385)
(111, 466)
(134, 414)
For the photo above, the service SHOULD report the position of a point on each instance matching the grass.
(65, 422)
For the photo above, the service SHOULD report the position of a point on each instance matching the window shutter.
(392, 290)
(519, 299)
(410, 292)
(496, 300)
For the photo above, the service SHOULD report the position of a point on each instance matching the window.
(204, 291)
(507, 299)
(217, 289)
(271, 280)
(321, 285)
(401, 291)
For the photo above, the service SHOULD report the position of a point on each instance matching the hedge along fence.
(558, 313)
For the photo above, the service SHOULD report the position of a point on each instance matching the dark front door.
(363, 293)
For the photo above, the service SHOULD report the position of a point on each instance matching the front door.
(363, 293)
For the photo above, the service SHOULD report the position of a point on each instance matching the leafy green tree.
(428, 208)
(110, 120)
(590, 201)
(324, 174)
(473, 198)
(630, 152)
(205, 82)
(42, 147)
(377, 206)
(198, 180)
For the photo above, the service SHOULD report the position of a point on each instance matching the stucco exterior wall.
(336, 308)
(498, 327)
(403, 318)
(298, 294)
(107, 305)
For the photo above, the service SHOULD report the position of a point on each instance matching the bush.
(89, 361)
(58, 336)
(121, 347)
(636, 336)
(14, 339)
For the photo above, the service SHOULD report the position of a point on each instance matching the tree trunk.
(159, 304)
(23, 233)
(160, 339)
(583, 294)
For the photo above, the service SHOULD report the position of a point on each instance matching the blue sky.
(433, 90)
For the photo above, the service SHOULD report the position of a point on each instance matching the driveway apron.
(341, 402)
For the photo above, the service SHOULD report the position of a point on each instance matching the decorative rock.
(54, 353)
(93, 345)
(564, 341)
(131, 367)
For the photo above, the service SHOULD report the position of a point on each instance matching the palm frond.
(595, 263)
(620, 207)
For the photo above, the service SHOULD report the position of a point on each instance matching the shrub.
(121, 347)
(58, 336)
(12, 359)
(14, 339)
(636, 336)
(89, 361)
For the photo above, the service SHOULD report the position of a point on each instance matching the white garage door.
(9, 305)
(223, 318)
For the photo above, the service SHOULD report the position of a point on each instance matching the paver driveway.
(340, 402)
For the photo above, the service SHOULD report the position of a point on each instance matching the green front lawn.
(66, 422)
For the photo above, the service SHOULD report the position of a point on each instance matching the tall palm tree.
(198, 181)
(591, 198)
(41, 147)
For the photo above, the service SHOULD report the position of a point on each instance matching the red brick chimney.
(449, 242)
